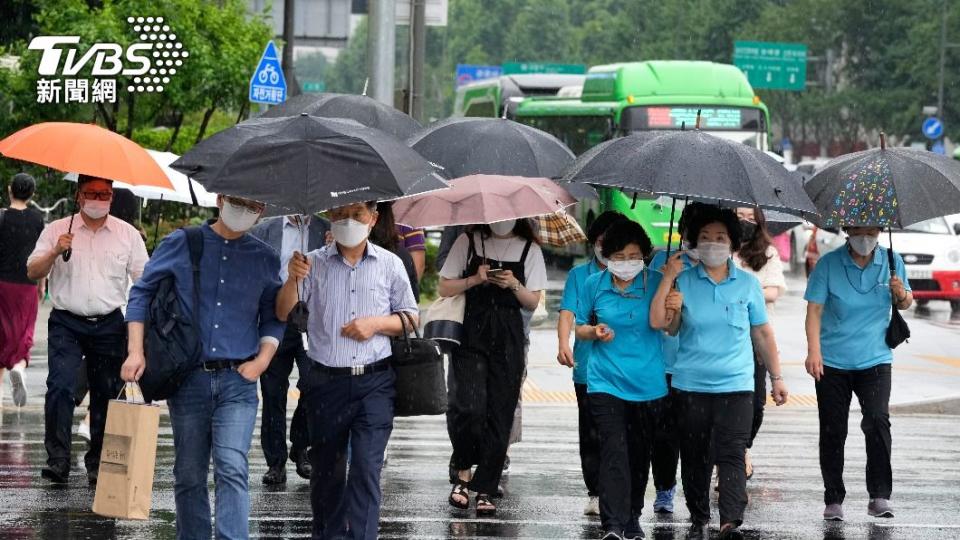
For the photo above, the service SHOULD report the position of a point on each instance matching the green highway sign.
(512, 68)
(775, 66)
(313, 86)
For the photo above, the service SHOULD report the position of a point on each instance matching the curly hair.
(621, 234)
(713, 214)
(753, 252)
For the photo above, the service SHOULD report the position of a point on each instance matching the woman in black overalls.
(486, 371)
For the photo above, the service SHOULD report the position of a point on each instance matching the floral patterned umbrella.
(885, 187)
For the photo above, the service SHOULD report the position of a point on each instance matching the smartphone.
(494, 271)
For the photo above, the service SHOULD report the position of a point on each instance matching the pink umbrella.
(483, 198)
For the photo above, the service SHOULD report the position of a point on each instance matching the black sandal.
(484, 506)
(459, 490)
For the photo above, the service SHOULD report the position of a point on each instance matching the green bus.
(619, 99)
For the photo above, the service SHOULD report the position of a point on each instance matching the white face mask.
(349, 232)
(625, 270)
(96, 209)
(238, 218)
(863, 244)
(598, 253)
(503, 228)
(713, 254)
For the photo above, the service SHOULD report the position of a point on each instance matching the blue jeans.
(213, 411)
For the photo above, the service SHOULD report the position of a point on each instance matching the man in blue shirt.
(215, 409)
(353, 290)
(286, 234)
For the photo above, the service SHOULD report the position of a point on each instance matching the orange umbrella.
(85, 149)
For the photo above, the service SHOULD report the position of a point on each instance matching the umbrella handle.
(69, 251)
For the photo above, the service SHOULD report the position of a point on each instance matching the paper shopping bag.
(125, 482)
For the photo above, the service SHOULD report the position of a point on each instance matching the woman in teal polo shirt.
(578, 358)
(625, 378)
(849, 295)
(719, 314)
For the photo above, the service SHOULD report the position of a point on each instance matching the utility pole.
(381, 48)
(828, 84)
(289, 16)
(943, 59)
(418, 49)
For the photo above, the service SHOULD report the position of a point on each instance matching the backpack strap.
(195, 244)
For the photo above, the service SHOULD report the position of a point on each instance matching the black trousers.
(834, 391)
(274, 384)
(589, 440)
(103, 344)
(485, 386)
(759, 398)
(715, 429)
(666, 445)
(626, 439)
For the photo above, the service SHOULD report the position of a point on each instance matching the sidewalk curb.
(946, 406)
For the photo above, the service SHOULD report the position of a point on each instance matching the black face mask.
(747, 229)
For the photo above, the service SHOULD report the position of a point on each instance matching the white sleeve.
(456, 262)
(138, 255)
(535, 270)
(44, 244)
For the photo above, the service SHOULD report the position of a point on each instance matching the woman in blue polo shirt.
(578, 358)
(719, 314)
(849, 295)
(625, 378)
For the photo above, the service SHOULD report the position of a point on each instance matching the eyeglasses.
(97, 195)
(623, 258)
(250, 206)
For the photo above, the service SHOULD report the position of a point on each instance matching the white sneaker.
(83, 430)
(18, 380)
(593, 507)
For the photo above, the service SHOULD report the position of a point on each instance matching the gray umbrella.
(886, 187)
(362, 109)
(693, 165)
(305, 164)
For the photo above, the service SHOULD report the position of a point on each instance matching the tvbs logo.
(148, 64)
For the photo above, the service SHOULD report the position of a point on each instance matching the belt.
(353, 371)
(90, 318)
(217, 365)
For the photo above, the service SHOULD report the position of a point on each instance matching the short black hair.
(623, 233)
(22, 186)
(689, 214)
(84, 178)
(602, 223)
(713, 214)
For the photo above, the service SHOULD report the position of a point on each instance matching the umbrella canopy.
(885, 187)
(780, 222)
(181, 184)
(483, 199)
(692, 165)
(86, 149)
(305, 164)
(465, 146)
(362, 109)
(560, 229)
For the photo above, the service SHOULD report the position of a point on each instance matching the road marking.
(945, 360)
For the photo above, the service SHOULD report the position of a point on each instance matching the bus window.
(579, 133)
(481, 108)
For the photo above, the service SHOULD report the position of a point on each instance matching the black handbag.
(898, 331)
(421, 379)
(172, 340)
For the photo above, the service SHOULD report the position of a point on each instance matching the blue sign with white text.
(267, 84)
(468, 73)
(932, 128)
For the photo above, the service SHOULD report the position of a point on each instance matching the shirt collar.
(848, 259)
(732, 271)
(288, 223)
(372, 251)
(106, 224)
(606, 283)
(593, 267)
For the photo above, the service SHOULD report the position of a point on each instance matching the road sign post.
(514, 68)
(774, 66)
(268, 86)
(468, 73)
(932, 128)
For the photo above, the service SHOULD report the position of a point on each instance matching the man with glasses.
(214, 410)
(87, 291)
(352, 289)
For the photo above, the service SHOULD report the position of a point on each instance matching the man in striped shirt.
(352, 289)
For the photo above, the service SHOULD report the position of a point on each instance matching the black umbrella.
(496, 146)
(305, 164)
(780, 222)
(692, 165)
(886, 187)
(363, 109)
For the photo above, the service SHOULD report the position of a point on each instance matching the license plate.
(919, 274)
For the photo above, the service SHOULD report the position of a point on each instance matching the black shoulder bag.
(172, 340)
(418, 364)
(898, 331)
